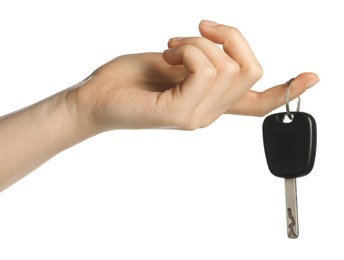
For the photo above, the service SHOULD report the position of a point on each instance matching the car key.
(290, 147)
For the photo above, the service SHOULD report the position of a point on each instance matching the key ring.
(287, 92)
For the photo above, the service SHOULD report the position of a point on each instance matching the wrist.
(31, 136)
(80, 110)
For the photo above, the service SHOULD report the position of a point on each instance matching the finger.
(261, 103)
(192, 89)
(220, 59)
(238, 49)
(227, 71)
(234, 44)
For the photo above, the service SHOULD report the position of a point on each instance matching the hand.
(188, 86)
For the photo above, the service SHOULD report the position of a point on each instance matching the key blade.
(291, 206)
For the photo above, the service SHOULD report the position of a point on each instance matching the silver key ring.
(287, 100)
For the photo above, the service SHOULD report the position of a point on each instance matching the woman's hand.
(188, 86)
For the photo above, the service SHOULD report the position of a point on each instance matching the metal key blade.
(291, 206)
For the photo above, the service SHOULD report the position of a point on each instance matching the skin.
(186, 87)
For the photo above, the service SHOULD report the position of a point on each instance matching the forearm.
(33, 135)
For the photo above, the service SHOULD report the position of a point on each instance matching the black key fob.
(290, 146)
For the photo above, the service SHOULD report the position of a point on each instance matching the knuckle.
(200, 121)
(255, 72)
(190, 127)
(234, 30)
(187, 121)
(231, 68)
(190, 123)
(208, 72)
(195, 42)
(182, 120)
(189, 49)
(199, 41)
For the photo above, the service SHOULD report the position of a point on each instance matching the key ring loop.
(287, 93)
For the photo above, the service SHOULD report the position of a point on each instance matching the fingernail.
(209, 23)
(312, 82)
(177, 38)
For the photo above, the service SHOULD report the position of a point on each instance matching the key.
(290, 147)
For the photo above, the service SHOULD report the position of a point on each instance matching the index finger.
(260, 103)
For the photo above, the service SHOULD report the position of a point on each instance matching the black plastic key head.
(290, 147)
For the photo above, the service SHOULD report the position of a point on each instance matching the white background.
(161, 194)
